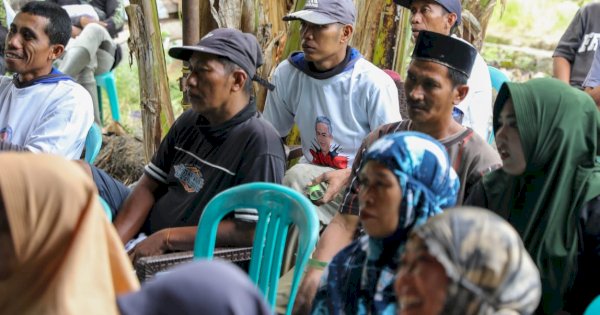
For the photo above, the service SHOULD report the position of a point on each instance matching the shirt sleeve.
(593, 78)
(571, 39)
(277, 111)
(383, 105)
(162, 161)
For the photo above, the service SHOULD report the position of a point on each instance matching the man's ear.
(461, 93)
(239, 80)
(451, 19)
(347, 31)
(56, 51)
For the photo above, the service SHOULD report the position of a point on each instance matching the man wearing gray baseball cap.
(334, 95)
(222, 142)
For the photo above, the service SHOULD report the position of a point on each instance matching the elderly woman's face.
(7, 251)
(379, 200)
(508, 141)
(421, 283)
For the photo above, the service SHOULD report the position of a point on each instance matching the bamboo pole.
(145, 42)
(403, 48)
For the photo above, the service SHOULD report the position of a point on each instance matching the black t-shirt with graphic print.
(196, 158)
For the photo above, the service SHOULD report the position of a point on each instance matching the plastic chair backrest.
(93, 143)
(106, 208)
(594, 307)
(108, 82)
(498, 78)
(278, 207)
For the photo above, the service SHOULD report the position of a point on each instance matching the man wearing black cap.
(328, 81)
(222, 142)
(443, 16)
(436, 81)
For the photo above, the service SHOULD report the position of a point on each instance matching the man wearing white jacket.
(41, 109)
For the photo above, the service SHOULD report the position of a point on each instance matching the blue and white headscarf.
(424, 172)
(360, 278)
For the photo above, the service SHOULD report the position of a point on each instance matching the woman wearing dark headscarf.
(467, 261)
(58, 252)
(549, 186)
(406, 178)
(204, 287)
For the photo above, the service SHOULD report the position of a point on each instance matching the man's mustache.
(416, 104)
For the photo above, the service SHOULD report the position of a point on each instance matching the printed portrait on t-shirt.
(6, 134)
(324, 151)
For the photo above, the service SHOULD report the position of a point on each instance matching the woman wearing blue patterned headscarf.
(406, 178)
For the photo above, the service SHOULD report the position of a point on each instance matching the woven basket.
(147, 267)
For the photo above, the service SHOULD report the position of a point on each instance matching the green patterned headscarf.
(559, 130)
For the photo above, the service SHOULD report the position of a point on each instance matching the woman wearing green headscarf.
(549, 186)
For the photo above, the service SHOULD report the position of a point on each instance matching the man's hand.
(155, 244)
(336, 181)
(306, 291)
(75, 31)
(85, 20)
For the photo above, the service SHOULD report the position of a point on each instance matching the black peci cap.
(446, 50)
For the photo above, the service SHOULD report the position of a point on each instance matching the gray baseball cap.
(452, 6)
(322, 12)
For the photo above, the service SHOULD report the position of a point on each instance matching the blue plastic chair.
(106, 208)
(93, 143)
(278, 207)
(107, 81)
(593, 308)
(498, 78)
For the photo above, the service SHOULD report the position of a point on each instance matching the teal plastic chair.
(106, 208)
(593, 308)
(93, 143)
(278, 207)
(498, 78)
(107, 81)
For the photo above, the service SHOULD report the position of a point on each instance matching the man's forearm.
(562, 69)
(7, 146)
(135, 209)
(235, 233)
(231, 233)
(337, 235)
(595, 94)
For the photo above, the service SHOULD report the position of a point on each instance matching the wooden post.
(190, 25)
(191, 21)
(146, 43)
